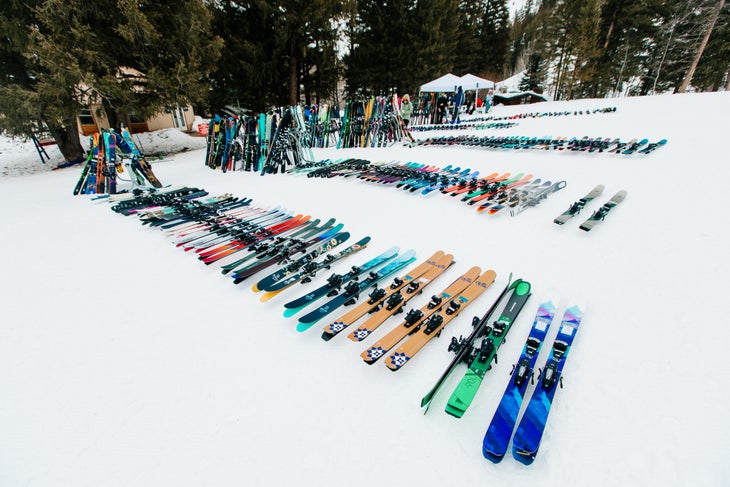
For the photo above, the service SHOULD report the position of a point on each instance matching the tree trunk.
(68, 141)
(701, 49)
(293, 78)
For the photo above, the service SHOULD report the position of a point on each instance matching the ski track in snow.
(126, 361)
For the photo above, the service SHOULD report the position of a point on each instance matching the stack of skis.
(268, 143)
(111, 154)
(374, 122)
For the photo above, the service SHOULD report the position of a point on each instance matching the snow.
(126, 361)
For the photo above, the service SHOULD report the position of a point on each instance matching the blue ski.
(500, 429)
(529, 433)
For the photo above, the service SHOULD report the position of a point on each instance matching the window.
(85, 117)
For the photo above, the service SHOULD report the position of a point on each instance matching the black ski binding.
(377, 294)
(413, 317)
(433, 323)
(435, 301)
(393, 301)
(397, 282)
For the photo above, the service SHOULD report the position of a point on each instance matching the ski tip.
(327, 336)
(301, 327)
(492, 457)
(255, 288)
(525, 458)
(457, 413)
(290, 312)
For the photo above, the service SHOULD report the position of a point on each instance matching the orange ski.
(433, 326)
(414, 317)
(413, 280)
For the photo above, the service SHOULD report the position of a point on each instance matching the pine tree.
(534, 76)
(400, 44)
(128, 55)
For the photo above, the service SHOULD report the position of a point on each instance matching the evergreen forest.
(136, 56)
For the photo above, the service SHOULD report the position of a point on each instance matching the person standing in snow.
(488, 101)
(406, 109)
(441, 108)
(458, 100)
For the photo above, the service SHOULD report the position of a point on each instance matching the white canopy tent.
(445, 83)
(450, 82)
(473, 82)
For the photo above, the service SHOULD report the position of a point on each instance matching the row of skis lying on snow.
(245, 241)
(422, 120)
(566, 144)
(110, 154)
(493, 193)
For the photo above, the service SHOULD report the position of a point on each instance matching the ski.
(600, 214)
(413, 318)
(351, 292)
(479, 325)
(311, 228)
(535, 199)
(529, 433)
(310, 269)
(576, 207)
(411, 282)
(292, 266)
(126, 143)
(652, 147)
(634, 147)
(290, 247)
(480, 358)
(500, 429)
(335, 282)
(433, 326)
(251, 237)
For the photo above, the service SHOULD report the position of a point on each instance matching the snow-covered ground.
(18, 156)
(126, 361)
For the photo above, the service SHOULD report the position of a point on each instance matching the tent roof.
(472, 82)
(446, 82)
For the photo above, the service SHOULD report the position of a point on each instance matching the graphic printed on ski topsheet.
(499, 431)
(532, 425)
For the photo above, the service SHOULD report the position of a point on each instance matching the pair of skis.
(345, 289)
(597, 216)
(384, 302)
(528, 435)
(480, 357)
